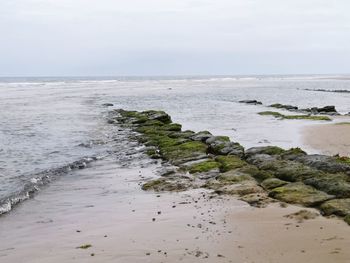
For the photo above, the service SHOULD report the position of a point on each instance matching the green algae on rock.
(216, 163)
(204, 166)
(294, 117)
(298, 193)
(339, 207)
(272, 183)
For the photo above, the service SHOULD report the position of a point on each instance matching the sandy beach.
(106, 209)
(330, 139)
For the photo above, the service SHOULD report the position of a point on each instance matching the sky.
(173, 37)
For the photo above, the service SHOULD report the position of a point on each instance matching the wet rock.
(335, 184)
(272, 183)
(339, 207)
(165, 184)
(107, 104)
(347, 219)
(204, 166)
(256, 199)
(282, 106)
(324, 163)
(233, 176)
(221, 145)
(242, 188)
(229, 162)
(201, 136)
(262, 158)
(158, 115)
(270, 150)
(288, 170)
(298, 193)
(253, 102)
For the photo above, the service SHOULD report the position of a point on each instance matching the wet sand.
(103, 206)
(328, 139)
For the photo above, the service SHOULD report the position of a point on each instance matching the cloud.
(79, 37)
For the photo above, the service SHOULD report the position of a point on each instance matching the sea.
(52, 125)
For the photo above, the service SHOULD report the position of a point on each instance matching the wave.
(40, 179)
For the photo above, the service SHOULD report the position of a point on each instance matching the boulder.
(324, 163)
(272, 183)
(339, 207)
(201, 136)
(335, 184)
(221, 145)
(298, 193)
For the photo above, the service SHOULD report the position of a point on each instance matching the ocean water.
(49, 126)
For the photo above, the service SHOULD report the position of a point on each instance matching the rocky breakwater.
(257, 175)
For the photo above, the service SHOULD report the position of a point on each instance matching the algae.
(204, 166)
(294, 117)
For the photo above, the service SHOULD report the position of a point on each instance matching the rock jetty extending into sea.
(258, 175)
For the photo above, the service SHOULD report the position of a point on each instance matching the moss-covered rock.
(164, 184)
(157, 115)
(298, 193)
(233, 176)
(229, 162)
(203, 167)
(339, 207)
(288, 170)
(347, 219)
(242, 188)
(270, 150)
(295, 117)
(283, 106)
(272, 183)
(335, 184)
(201, 136)
(258, 174)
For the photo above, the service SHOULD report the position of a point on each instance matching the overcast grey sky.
(167, 37)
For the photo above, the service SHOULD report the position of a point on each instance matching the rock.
(335, 184)
(282, 106)
(298, 193)
(288, 170)
(201, 136)
(270, 150)
(157, 115)
(272, 183)
(233, 176)
(165, 184)
(253, 102)
(221, 145)
(204, 166)
(347, 219)
(339, 207)
(256, 199)
(229, 162)
(262, 158)
(324, 163)
(107, 104)
(242, 188)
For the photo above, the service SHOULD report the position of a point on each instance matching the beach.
(329, 139)
(108, 210)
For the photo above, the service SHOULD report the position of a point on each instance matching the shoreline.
(113, 215)
(104, 216)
